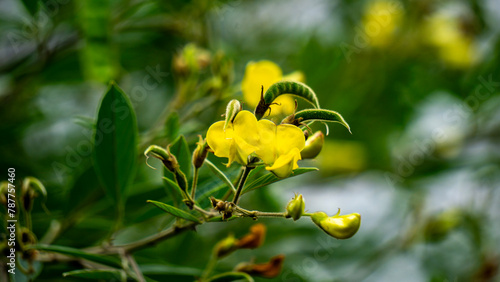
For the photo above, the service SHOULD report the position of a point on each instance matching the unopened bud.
(31, 189)
(164, 155)
(295, 207)
(232, 109)
(200, 153)
(225, 247)
(313, 146)
(338, 226)
(269, 269)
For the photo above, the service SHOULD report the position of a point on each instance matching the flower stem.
(195, 182)
(255, 214)
(243, 179)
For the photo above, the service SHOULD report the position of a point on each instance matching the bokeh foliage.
(418, 85)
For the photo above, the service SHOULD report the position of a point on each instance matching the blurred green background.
(418, 82)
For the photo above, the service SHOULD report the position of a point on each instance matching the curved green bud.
(317, 114)
(168, 159)
(285, 87)
(338, 226)
(313, 146)
(232, 109)
(200, 153)
(295, 207)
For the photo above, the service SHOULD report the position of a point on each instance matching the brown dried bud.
(254, 239)
(268, 270)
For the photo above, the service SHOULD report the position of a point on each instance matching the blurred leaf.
(85, 122)
(172, 126)
(164, 269)
(231, 276)
(84, 191)
(105, 260)
(31, 6)
(220, 174)
(115, 140)
(180, 150)
(271, 178)
(175, 211)
(107, 274)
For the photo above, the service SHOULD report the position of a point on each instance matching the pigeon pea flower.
(235, 140)
(278, 146)
(338, 226)
(266, 73)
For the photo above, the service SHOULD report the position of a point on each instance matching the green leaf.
(94, 274)
(165, 269)
(220, 175)
(173, 190)
(321, 115)
(106, 260)
(180, 150)
(115, 140)
(271, 178)
(231, 276)
(175, 211)
(172, 126)
(290, 87)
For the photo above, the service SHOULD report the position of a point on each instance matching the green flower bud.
(313, 146)
(338, 226)
(232, 109)
(295, 207)
(170, 162)
(200, 153)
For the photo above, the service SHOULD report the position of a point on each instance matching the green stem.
(255, 214)
(243, 179)
(195, 182)
(230, 191)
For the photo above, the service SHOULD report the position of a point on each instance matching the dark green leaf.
(271, 178)
(291, 87)
(106, 260)
(115, 140)
(175, 211)
(94, 274)
(231, 276)
(220, 175)
(181, 151)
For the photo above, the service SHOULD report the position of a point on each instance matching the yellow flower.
(278, 146)
(381, 21)
(454, 47)
(266, 73)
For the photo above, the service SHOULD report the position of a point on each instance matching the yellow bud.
(338, 226)
(295, 207)
(313, 147)
(225, 246)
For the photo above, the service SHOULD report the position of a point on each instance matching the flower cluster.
(278, 146)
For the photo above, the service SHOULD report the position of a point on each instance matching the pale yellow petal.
(257, 74)
(285, 106)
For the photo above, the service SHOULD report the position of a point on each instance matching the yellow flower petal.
(284, 164)
(289, 137)
(257, 74)
(216, 139)
(267, 148)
